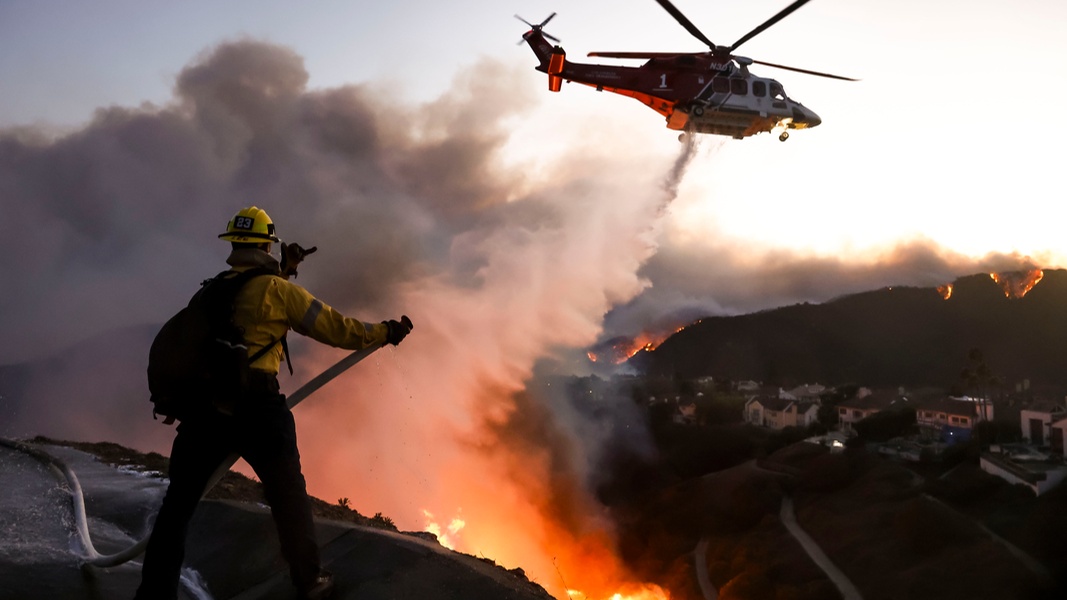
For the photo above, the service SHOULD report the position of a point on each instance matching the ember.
(945, 290)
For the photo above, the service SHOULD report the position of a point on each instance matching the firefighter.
(258, 426)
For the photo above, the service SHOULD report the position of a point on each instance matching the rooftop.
(950, 405)
(1026, 467)
(878, 400)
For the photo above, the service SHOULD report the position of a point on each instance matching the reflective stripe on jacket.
(268, 306)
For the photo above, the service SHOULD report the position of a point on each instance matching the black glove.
(293, 255)
(398, 330)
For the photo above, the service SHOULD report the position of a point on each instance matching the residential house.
(865, 404)
(1057, 437)
(1021, 465)
(779, 413)
(1044, 424)
(951, 418)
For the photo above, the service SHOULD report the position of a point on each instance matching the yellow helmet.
(250, 226)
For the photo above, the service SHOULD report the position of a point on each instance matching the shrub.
(886, 425)
(381, 521)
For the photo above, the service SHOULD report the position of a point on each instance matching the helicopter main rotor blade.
(805, 71)
(685, 22)
(771, 21)
(642, 54)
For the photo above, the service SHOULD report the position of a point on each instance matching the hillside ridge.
(911, 336)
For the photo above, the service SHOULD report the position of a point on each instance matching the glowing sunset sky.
(951, 134)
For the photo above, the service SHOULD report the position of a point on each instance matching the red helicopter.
(701, 92)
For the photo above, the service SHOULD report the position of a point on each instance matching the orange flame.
(945, 290)
(1016, 284)
(450, 453)
(625, 349)
(644, 592)
(446, 534)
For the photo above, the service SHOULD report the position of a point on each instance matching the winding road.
(788, 517)
(700, 561)
(844, 585)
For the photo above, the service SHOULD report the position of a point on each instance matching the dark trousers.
(262, 432)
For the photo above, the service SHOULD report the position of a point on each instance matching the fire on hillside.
(1016, 284)
(618, 350)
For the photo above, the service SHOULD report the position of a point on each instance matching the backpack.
(198, 362)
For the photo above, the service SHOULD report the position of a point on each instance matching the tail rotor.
(539, 27)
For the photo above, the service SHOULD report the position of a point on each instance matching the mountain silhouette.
(894, 336)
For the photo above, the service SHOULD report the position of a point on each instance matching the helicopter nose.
(811, 118)
(803, 117)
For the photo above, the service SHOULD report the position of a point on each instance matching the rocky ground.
(232, 546)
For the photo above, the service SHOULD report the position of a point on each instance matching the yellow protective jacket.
(269, 306)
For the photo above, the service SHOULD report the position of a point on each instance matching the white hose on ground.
(90, 555)
(94, 558)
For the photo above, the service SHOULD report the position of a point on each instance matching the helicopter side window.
(759, 89)
(720, 85)
(739, 86)
(777, 92)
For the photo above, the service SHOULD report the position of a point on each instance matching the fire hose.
(91, 555)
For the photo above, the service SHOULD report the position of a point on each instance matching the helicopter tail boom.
(553, 58)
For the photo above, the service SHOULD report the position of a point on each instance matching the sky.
(949, 118)
(948, 121)
(417, 147)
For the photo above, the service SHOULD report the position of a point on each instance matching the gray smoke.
(722, 279)
(115, 223)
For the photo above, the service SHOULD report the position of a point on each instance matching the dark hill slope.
(892, 336)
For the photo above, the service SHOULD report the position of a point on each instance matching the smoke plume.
(114, 225)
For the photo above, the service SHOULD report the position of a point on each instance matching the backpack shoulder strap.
(285, 348)
(240, 280)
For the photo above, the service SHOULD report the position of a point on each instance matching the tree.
(885, 425)
(978, 378)
(828, 415)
